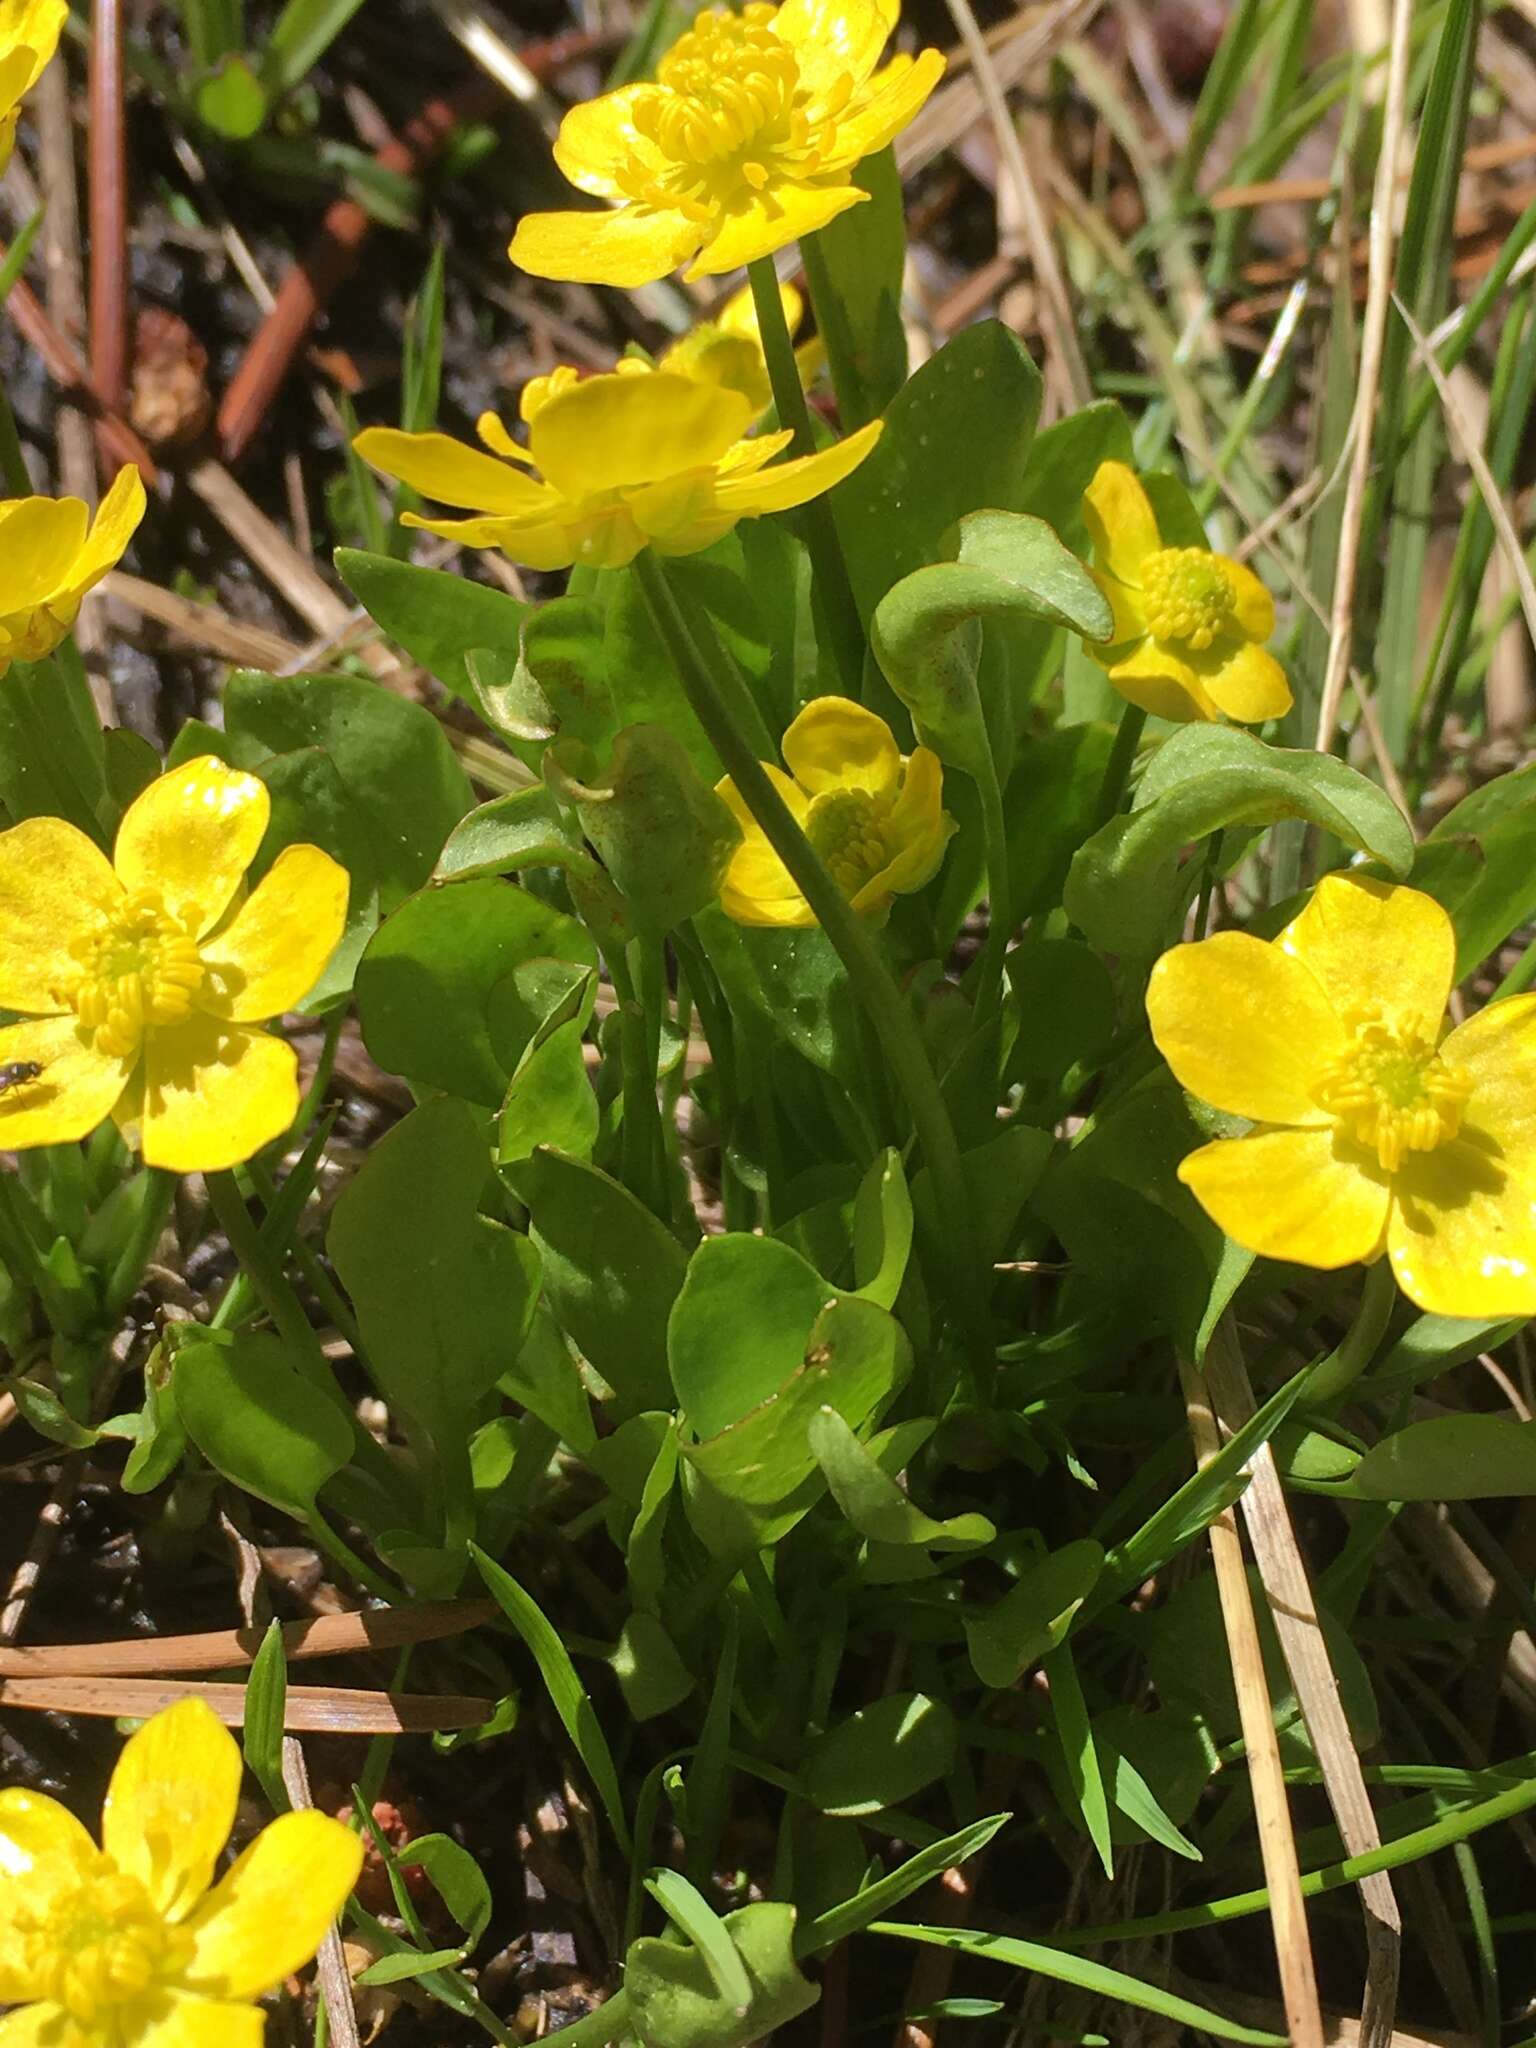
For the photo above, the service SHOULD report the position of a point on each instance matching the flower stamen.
(100, 1945)
(847, 829)
(1187, 598)
(1392, 1092)
(138, 967)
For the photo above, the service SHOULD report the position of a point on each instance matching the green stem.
(1341, 1368)
(640, 1135)
(264, 1271)
(1210, 869)
(853, 407)
(342, 1553)
(870, 979)
(821, 538)
(1117, 769)
(994, 825)
(154, 1212)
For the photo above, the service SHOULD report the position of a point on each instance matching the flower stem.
(894, 1024)
(994, 825)
(853, 408)
(1117, 769)
(1341, 1368)
(821, 538)
(640, 1136)
(154, 1211)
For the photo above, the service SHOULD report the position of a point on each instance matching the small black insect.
(14, 1072)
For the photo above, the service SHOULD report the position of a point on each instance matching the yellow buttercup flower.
(746, 141)
(54, 553)
(29, 35)
(1190, 625)
(631, 458)
(728, 350)
(877, 820)
(1375, 1133)
(143, 979)
(133, 1945)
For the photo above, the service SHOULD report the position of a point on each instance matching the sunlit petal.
(53, 883)
(1463, 1231)
(537, 544)
(834, 39)
(1292, 1195)
(598, 138)
(178, 2019)
(117, 518)
(1376, 946)
(40, 538)
(1255, 607)
(452, 472)
(191, 835)
(610, 432)
(43, 1851)
(77, 1088)
(837, 744)
(171, 1804)
(878, 116)
(1495, 1052)
(275, 948)
(38, 2026)
(1157, 679)
(494, 433)
(1120, 521)
(268, 1915)
(1244, 1027)
(787, 484)
(633, 245)
(1246, 682)
(761, 222)
(214, 1094)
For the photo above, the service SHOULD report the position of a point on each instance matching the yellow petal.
(675, 510)
(894, 96)
(1130, 616)
(269, 1914)
(598, 139)
(837, 744)
(192, 834)
(171, 1804)
(1120, 521)
(38, 2026)
(76, 1090)
(788, 484)
(43, 1851)
(1290, 1195)
(1463, 1231)
(795, 799)
(54, 882)
(1255, 607)
(40, 538)
(835, 39)
(1246, 682)
(1245, 1027)
(610, 432)
(178, 2019)
(450, 471)
(632, 245)
(918, 829)
(117, 519)
(746, 458)
(496, 437)
(1495, 1051)
(761, 222)
(275, 947)
(34, 25)
(214, 1094)
(1378, 946)
(538, 544)
(1159, 680)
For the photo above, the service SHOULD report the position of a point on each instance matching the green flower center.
(728, 109)
(100, 1945)
(1392, 1092)
(848, 828)
(1186, 596)
(139, 967)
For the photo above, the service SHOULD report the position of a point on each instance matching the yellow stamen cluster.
(100, 1945)
(139, 967)
(728, 106)
(1392, 1092)
(1186, 596)
(847, 828)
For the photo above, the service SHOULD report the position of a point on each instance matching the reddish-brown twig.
(336, 250)
(109, 209)
(62, 361)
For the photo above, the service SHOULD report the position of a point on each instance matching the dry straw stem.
(315, 1709)
(1378, 303)
(330, 1961)
(326, 1635)
(1284, 1575)
(1016, 47)
(1277, 1842)
(1064, 361)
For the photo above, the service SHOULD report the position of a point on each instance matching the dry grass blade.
(1277, 1841)
(328, 1635)
(959, 105)
(313, 1709)
(201, 625)
(330, 1960)
(1284, 1575)
(1064, 363)
(1378, 303)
